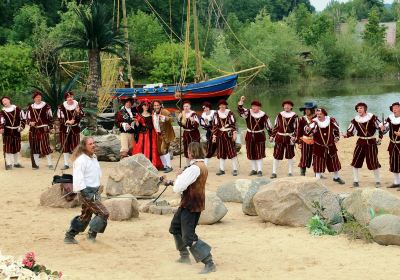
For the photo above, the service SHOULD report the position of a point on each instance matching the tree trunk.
(94, 83)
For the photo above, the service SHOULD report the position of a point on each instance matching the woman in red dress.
(147, 140)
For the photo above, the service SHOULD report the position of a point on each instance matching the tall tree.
(95, 35)
(374, 33)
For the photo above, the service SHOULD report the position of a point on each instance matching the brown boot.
(123, 155)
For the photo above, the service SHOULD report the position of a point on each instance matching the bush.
(16, 67)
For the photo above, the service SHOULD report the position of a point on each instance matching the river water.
(339, 98)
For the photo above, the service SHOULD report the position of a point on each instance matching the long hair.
(196, 150)
(80, 149)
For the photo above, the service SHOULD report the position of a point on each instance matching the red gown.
(147, 141)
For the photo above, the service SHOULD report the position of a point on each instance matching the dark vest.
(193, 198)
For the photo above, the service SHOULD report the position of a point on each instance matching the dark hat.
(323, 111)
(222, 102)
(361, 104)
(4, 97)
(287, 102)
(309, 105)
(186, 102)
(206, 104)
(145, 102)
(256, 103)
(68, 94)
(36, 93)
(394, 104)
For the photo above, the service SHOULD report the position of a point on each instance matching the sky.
(321, 4)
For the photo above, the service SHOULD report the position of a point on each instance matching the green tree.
(220, 56)
(300, 20)
(320, 26)
(374, 33)
(29, 24)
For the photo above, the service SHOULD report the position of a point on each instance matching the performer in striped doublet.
(69, 114)
(224, 135)
(12, 122)
(325, 131)
(257, 122)
(206, 122)
(40, 120)
(365, 125)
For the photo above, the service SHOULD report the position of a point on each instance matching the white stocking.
(163, 161)
(318, 175)
(66, 158)
(234, 164)
(290, 166)
(167, 158)
(355, 174)
(396, 178)
(377, 175)
(275, 165)
(49, 160)
(253, 165)
(16, 158)
(36, 159)
(259, 165)
(335, 174)
(9, 159)
(222, 164)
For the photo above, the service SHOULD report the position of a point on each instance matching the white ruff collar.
(323, 124)
(38, 106)
(189, 114)
(393, 119)
(70, 107)
(364, 119)
(287, 115)
(209, 116)
(258, 115)
(9, 109)
(223, 115)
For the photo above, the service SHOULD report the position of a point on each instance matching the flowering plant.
(29, 262)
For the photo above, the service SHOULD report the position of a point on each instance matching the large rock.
(107, 147)
(53, 197)
(385, 229)
(248, 204)
(366, 200)
(288, 201)
(235, 191)
(122, 207)
(214, 211)
(134, 175)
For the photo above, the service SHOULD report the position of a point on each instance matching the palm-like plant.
(95, 34)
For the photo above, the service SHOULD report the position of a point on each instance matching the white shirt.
(188, 177)
(129, 111)
(87, 172)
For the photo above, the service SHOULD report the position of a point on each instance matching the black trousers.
(184, 224)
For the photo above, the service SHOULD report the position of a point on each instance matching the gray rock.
(53, 197)
(288, 201)
(235, 191)
(248, 204)
(362, 201)
(107, 147)
(341, 197)
(214, 211)
(385, 229)
(134, 175)
(122, 208)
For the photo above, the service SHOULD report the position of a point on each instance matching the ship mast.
(127, 53)
(199, 68)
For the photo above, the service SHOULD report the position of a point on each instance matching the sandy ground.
(243, 246)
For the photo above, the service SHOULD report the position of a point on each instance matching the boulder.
(288, 201)
(363, 202)
(107, 147)
(25, 150)
(385, 229)
(53, 197)
(248, 204)
(134, 175)
(235, 191)
(161, 207)
(122, 208)
(214, 211)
